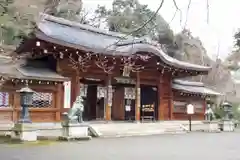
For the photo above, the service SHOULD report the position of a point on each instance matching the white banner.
(67, 94)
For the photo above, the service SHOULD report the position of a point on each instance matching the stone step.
(117, 130)
(145, 132)
(94, 132)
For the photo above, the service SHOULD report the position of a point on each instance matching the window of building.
(4, 99)
(42, 100)
(198, 106)
(179, 106)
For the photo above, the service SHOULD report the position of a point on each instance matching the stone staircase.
(121, 129)
(135, 129)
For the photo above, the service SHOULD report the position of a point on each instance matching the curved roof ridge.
(62, 21)
(57, 30)
(148, 47)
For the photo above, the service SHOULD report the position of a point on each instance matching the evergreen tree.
(68, 9)
(14, 25)
(237, 39)
(126, 16)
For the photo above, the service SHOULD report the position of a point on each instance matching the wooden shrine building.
(46, 83)
(121, 77)
(185, 92)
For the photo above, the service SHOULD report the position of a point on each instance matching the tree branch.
(178, 10)
(207, 11)
(188, 8)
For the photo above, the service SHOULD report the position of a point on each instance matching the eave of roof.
(188, 83)
(18, 70)
(193, 87)
(58, 31)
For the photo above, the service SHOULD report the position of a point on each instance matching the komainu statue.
(74, 114)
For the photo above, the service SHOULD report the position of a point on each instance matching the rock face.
(219, 78)
(192, 49)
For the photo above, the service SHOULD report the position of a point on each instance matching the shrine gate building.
(120, 77)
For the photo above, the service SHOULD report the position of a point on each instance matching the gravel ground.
(197, 146)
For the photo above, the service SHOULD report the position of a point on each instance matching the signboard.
(190, 109)
(124, 80)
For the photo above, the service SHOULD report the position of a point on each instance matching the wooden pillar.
(59, 100)
(75, 88)
(137, 97)
(170, 103)
(108, 99)
(169, 96)
(160, 99)
(16, 106)
(204, 109)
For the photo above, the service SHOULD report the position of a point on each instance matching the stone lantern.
(26, 95)
(227, 108)
(227, 123)
(23, 129)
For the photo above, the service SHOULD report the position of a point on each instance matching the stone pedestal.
(211, 126)
(24, 132)
(228, 126)
(74, 132)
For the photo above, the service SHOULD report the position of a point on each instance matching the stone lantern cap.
(226, 104)
(25, 89)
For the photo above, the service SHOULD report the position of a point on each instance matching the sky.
(216, 33)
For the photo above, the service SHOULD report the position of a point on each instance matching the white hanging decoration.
(38, 43)
(61, 55)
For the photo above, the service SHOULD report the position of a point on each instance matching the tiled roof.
(193, 87)
(73, 34)
(20, 70)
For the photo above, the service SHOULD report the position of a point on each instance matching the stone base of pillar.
(24, 132)
(74, 131)
(137, 121)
